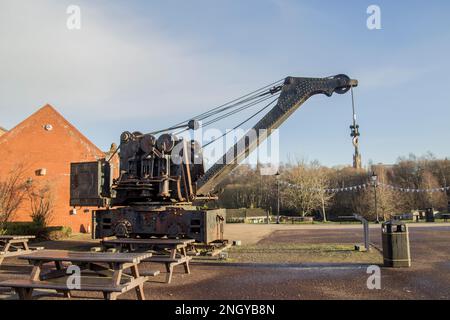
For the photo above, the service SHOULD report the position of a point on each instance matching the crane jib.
(294, 93)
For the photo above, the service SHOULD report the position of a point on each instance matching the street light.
(277, 177)
(374, 179)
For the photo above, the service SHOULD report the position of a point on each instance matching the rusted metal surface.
(90, 183)
(202, 225)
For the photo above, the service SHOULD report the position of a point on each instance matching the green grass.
(33, 229)
(295, 246)
(302, 253)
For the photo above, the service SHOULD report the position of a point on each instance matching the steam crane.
(162, 178)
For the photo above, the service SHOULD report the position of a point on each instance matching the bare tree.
(387, 200)
(309, 193)
(13, 190)
(424, 172)
(364, 203)
(244, 187)
(42, 202)
(431, 199)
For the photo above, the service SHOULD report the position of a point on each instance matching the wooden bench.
(177, 251)
(171, 263)
(13, 246)
(101, 272)
(25, 287)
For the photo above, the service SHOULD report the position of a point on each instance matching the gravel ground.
(329, 271)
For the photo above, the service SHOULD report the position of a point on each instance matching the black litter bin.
(395, 238)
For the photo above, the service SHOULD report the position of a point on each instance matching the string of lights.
(362, 187)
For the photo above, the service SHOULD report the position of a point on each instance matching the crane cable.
(353, 105)
(248, 98)
(263, 97)
(236, 111)
(355, 130)
(272, 91)
(243, 122)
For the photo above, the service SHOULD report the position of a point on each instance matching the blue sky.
(144, 65)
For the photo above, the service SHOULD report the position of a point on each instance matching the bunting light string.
(327, 190)
(362, 187)
(413, 190)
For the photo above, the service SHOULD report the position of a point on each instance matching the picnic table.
(12, 246)
(177, 251)
(100, 271)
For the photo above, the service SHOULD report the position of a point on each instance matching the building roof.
(48, 136)
(49, 112)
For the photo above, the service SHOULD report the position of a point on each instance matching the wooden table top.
(75, 256)
(12, 237)
(150, 241)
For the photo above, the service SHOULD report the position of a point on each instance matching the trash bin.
(429, 215)
(395, 238)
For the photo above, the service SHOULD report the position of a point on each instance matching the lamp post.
(374, 179)
(277, 177)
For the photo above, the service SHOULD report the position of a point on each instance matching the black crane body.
(163, 182)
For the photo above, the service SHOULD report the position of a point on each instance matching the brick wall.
(47, 141)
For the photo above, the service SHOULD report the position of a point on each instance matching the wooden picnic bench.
(12, 246)
(99, 271)
(177, 251)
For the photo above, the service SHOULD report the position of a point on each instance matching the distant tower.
(357, 155)
(355, 138)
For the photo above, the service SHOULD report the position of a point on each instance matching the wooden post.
(186, 264)
(139, 289)
(36, 272)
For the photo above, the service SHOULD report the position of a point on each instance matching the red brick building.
(45, 144)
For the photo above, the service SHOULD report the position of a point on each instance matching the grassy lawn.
(302, 253)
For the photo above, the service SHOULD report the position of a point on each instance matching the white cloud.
(109, 68)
